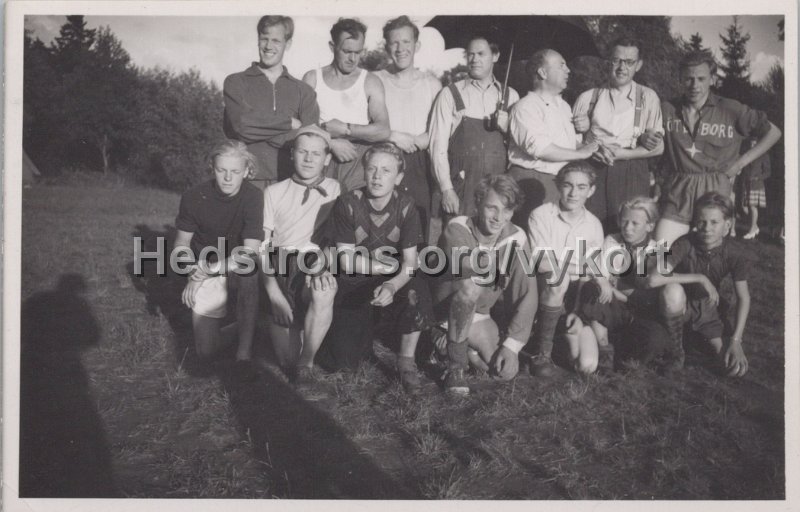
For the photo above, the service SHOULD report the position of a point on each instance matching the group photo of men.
(348, 158)
(453, 256)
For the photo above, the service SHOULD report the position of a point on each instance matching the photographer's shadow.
(63, 448)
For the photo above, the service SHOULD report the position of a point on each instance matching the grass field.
(113, 403)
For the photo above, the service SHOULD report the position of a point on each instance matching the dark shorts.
(616, 314)
(349, 339)
(703, 317)
(292, 283)
(680, 191)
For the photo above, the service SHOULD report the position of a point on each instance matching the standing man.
(615, 116)
(465, 146)
(409, 97)
(351, 103)
(264, 103)
(703, 135)
(543, 137)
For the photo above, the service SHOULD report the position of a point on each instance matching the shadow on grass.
(63, 446)
(305, 453)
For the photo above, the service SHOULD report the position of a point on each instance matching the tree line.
(88, 107)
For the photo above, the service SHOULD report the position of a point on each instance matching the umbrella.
(522, 35)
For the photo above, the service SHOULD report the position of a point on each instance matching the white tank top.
(348, 106)
(408, 107)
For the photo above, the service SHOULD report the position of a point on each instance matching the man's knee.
(586, 367)
(673, 299)
(467, 292)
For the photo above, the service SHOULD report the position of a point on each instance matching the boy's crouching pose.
(559, 227)
(376, 230)
(294, 210)
(690, 296)
(465, 294)
(228, 208)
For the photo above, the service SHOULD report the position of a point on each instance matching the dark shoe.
(606, 357)
(455, 382)
(304, 377)
(542, 366)
(245, 370)
(410, 380)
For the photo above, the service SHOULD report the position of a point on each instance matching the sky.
(217, 46)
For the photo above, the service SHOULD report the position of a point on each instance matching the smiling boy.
(376, 230)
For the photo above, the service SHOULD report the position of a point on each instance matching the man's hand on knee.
(506, 363)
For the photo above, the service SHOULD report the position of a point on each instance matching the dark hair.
(715, 200)
(388, 148)
(697, 58)
(400, 22)
(536, 61)
(577, 166)
(505, 186)
(351, 26)
(490, 40)
(625, 41)
(270, 21)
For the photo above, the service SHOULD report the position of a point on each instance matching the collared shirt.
(550, 229)
(536, 123)
(714, 144)
(293, 224)
(479, 103)
(686, 256)
(639, 258)
(259, 113)
(614, 113)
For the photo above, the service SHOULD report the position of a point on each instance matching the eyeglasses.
(629, 63)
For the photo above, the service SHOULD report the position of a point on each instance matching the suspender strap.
(593, 102)
(639, 106)
(457, 97)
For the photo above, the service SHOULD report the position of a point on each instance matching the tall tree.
(72, 43)
(695, 43)
(735, 65)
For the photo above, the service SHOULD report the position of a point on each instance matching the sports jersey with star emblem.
(713, 144)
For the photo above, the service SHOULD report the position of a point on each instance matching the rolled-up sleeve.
(441, 126)
(654, 120)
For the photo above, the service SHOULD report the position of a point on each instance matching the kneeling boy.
(700, 261)
(294, 211)
(376, 230)
(559, 226)
(226, 210)
(466, 297)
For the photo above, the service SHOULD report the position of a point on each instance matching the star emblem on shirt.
(693, 150)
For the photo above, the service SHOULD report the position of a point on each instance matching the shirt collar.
(711, 101)
(557, 212)
(475, 82)
(644, 243)
(255, 70)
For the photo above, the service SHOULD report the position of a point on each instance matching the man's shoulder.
(730, 104)
(251, 71)
(648, 92)
(671, 106)
(545, 210)
(593, 222)
(457, 232)
(251, 193)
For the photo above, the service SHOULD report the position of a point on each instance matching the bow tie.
(317, 185)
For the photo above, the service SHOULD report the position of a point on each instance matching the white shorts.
(212, 297)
